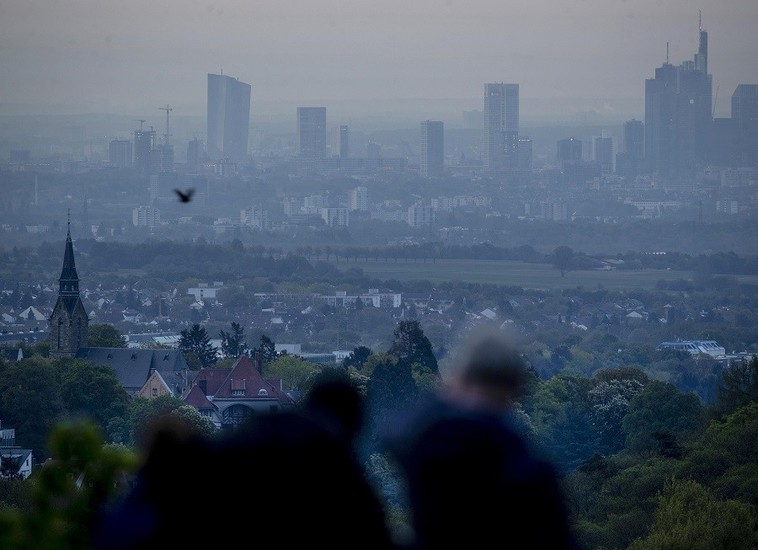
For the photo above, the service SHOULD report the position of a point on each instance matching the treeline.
(227, 261)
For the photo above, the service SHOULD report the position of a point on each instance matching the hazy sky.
(117, 56)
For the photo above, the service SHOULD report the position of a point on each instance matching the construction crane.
(141, 122)
(168, 110)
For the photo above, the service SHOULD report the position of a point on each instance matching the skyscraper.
(432, 148)
(501, 126)
(120, 153)
(569, 150)
(228, 118)
(603, 153)
(311, 130)
(629, 160)
(745, 124)
(144, 142)
(344, 142)
(679, 115)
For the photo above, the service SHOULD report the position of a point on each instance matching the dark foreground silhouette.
(473, 481)
(285, 479)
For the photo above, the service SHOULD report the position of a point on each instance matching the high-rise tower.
(501, 126)
(432, 148)
(228, 118)
(69, 322)
(679, 115)
(745, 124)
(311, 130)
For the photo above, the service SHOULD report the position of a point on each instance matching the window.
(155, 392)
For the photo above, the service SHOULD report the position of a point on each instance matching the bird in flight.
(185, 196)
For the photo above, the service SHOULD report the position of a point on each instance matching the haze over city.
(362, 57)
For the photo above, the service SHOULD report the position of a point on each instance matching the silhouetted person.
(472, 479)
(299, 478)
(164, 495)
(286, 479)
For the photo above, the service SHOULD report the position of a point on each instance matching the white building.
(146, 216)
(419, 216)
(359, 198)
(336, 217)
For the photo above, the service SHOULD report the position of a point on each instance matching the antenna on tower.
(168, 110)
(667, 53)
(141, 121)
(700, 19)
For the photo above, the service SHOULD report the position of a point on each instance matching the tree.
(195, 342)
(91, 391)
(233, 343)
(198, 423)
(412, 346)
(266, 349)
(294, 372)
(657, 409)
(610, 402)
(739, 386)
(357, 357)
(105, 336)
(390, 388)
(30, 401)
(689, 516)
(563, 259)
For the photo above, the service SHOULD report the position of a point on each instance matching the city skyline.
(582, 56)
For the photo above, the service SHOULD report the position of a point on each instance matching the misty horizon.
(364, 59)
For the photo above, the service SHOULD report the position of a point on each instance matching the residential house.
(231, 396)
(134, 368)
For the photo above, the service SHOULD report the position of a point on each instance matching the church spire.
(69, 322)
(69, 280)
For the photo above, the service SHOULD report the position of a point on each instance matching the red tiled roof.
(197, 399)
(244, 376)
(213, 378)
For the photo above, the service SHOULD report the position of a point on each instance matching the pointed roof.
(196, 398)
(68, 273)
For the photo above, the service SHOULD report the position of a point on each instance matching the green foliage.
(660, 409)
(30, 401)
(233, 343)
(196, 422)
(105, 336)
(724, 456)
(690, 517)
(91, 391)
(266, 350)
(294, 372)
(357, 357)
(610, 400)
(68, 491)
(739, 386)
(563, 259)
(570, 438)
(195, 341)
(411, 345)
(144, 412)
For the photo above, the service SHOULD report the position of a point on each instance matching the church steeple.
(69, 322)
(68, 284)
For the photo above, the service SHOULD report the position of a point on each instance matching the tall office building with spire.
(228, 118)
(501, 126)
(679, 115)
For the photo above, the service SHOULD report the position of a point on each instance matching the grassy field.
(512, 273)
